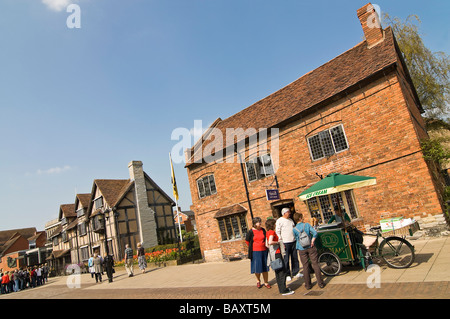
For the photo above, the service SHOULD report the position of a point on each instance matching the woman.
(309, 252)
(91, 266)
(142, 263)
(257, 252)
(97, 265)
(275, 252)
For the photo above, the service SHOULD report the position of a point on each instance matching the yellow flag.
(174, 182)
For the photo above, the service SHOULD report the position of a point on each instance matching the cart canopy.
(335, 183)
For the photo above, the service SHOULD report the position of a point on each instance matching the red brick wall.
(383, 142)
(4, 262)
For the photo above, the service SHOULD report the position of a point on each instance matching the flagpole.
(178, 219)
(175, 193)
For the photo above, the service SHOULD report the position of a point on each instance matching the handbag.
(304, 239)
(276, 264)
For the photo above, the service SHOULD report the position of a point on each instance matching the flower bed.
(156, 257)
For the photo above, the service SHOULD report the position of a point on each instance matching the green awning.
(335, 183)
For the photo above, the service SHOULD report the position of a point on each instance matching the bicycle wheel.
(397, 252)
(329, 264)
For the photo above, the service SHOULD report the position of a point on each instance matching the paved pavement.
(427, 278)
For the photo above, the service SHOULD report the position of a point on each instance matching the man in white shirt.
(284, 230)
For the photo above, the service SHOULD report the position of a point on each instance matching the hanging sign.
(272, 194)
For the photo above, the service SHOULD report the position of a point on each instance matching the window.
(259, 167)
(80, 212)
(233, 227)
(206, 186)
(82, 229)
(322, 207)
(64, 236)
(328, 142)
(98, 202)
(84, 253)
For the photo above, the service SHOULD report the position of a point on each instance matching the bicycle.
(395, 251)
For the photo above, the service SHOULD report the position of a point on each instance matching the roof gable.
(111, 190)
(67, 211)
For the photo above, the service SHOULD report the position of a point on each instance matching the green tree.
(430, 71)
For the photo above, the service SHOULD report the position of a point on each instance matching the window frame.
(347, 197)
(229, 223)
(206, 178)
(96, 200)
(257, 164)
(329, 130)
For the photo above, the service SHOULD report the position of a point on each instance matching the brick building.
(357, 114)
(18, 247)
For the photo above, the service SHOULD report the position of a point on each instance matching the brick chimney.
(370, 22)
(146, 218)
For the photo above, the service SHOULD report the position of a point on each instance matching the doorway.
(279, 205)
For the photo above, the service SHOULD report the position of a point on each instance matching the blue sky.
(80, 104)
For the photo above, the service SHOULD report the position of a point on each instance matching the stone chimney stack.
(146, 217)
(370, 22)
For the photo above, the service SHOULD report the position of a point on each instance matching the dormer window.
(80, 212)
(98, 202)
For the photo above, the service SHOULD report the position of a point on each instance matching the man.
(284, 230)
(108, 263)
(338, 216)
(129, 260)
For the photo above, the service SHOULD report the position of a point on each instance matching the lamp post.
(104, 227)
(245, 182)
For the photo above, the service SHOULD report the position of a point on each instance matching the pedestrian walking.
(257, 252)
(276, 252)
(283, 229)
(108, 263)
(129, 260)
(142, 263)
(91, 266)
(305, 236)
(97, 265)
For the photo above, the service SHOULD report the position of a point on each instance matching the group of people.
(129, 261)
(23, 278)
(284, 240)
(97, 265)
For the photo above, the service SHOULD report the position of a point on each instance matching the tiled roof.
(111, 189)
(5, 235)
(84, 199)
(309, 91)
(230, 210)
(68, 210)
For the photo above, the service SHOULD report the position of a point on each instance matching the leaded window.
(328, 142)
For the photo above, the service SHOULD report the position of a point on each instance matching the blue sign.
(272, 194)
